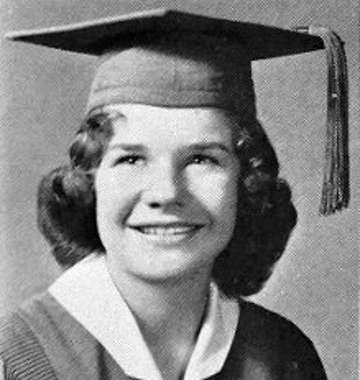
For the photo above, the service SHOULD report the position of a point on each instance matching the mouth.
(167, 232)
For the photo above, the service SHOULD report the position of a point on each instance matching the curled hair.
(265, 215)
(66, 214)
(265, 218)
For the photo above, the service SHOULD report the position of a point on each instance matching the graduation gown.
(42, 340)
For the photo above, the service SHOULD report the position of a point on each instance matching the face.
(166, 191)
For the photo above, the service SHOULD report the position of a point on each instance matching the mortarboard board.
(170, 58)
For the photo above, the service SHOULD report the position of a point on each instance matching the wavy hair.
(265, 215)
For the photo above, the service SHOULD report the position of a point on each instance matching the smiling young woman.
(170, 212)
(182, 212)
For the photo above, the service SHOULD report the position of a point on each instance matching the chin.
(173, 269)
(168, 277)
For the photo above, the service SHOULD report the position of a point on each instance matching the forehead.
(148, 123)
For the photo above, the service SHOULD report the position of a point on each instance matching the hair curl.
(265, 215)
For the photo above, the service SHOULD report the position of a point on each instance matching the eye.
(204, 159)
(129, 159)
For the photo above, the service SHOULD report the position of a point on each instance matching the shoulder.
(43, 333)
(36, 317)
(19, 344)
(264, 324)
(44, 318)
(273, 339)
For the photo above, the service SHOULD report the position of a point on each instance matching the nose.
(164, 187)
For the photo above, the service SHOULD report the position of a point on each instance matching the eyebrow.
(203, 146)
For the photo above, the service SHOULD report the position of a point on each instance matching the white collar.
(87, 292)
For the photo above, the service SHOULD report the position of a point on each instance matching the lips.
(166, 230)
(175, 230)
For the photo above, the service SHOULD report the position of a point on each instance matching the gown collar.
(88, 293)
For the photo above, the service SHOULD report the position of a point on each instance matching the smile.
(167, 230)
(171, 233)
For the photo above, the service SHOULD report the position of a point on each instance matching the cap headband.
(182, 71)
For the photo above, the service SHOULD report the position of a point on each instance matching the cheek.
(114, 197)
(217, 193)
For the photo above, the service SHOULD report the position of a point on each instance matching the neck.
(157, 303)
(169, 313)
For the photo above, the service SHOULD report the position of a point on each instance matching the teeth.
(166, 231)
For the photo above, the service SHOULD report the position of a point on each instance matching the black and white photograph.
(179, 189)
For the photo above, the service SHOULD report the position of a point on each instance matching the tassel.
(336, 187)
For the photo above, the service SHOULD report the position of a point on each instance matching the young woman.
(169, 213)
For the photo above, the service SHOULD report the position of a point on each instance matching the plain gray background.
(43, 94)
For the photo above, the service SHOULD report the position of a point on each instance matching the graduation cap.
(165, 57)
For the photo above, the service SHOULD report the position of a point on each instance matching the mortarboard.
(165, 57)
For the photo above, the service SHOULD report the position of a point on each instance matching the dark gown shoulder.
(269, 346)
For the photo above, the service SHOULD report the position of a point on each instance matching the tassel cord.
(336, 191)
